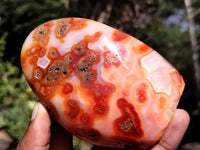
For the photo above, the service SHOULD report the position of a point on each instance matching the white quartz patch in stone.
(158, 72)
(43, 62)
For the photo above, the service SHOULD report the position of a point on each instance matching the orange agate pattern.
(101, 84)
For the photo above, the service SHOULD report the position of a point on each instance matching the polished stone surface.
(101, 84)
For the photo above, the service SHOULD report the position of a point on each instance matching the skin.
(44, 133)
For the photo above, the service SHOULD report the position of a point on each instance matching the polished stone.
(101, 84)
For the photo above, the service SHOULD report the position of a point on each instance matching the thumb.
(37, 136)
(174, 132)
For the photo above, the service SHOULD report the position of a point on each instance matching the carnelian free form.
(102, 85)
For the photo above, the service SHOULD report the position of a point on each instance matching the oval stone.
(104, 86)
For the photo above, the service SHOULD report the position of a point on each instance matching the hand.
(174, 132)
(44, 134)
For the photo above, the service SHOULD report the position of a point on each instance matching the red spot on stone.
(143, 48)
(100, 109)
(68, 59)
(122, 103)
(41, 34)
(93, 38)
(33, 60)
(62, 27)
(79, 24)
(40, 51)
(118, 35)
(79, 48)
(101, 91)
(84, 68)
(56, 72)
(141, 93)
(67, 88)
(73, 107)
(37, 74)
(129, 123)
(85, 118)
(53, 53)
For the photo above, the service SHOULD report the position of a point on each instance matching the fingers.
(41, 134)
(174, 132)
(37, 135)
(61, 139)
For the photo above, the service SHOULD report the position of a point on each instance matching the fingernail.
(35, 111)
